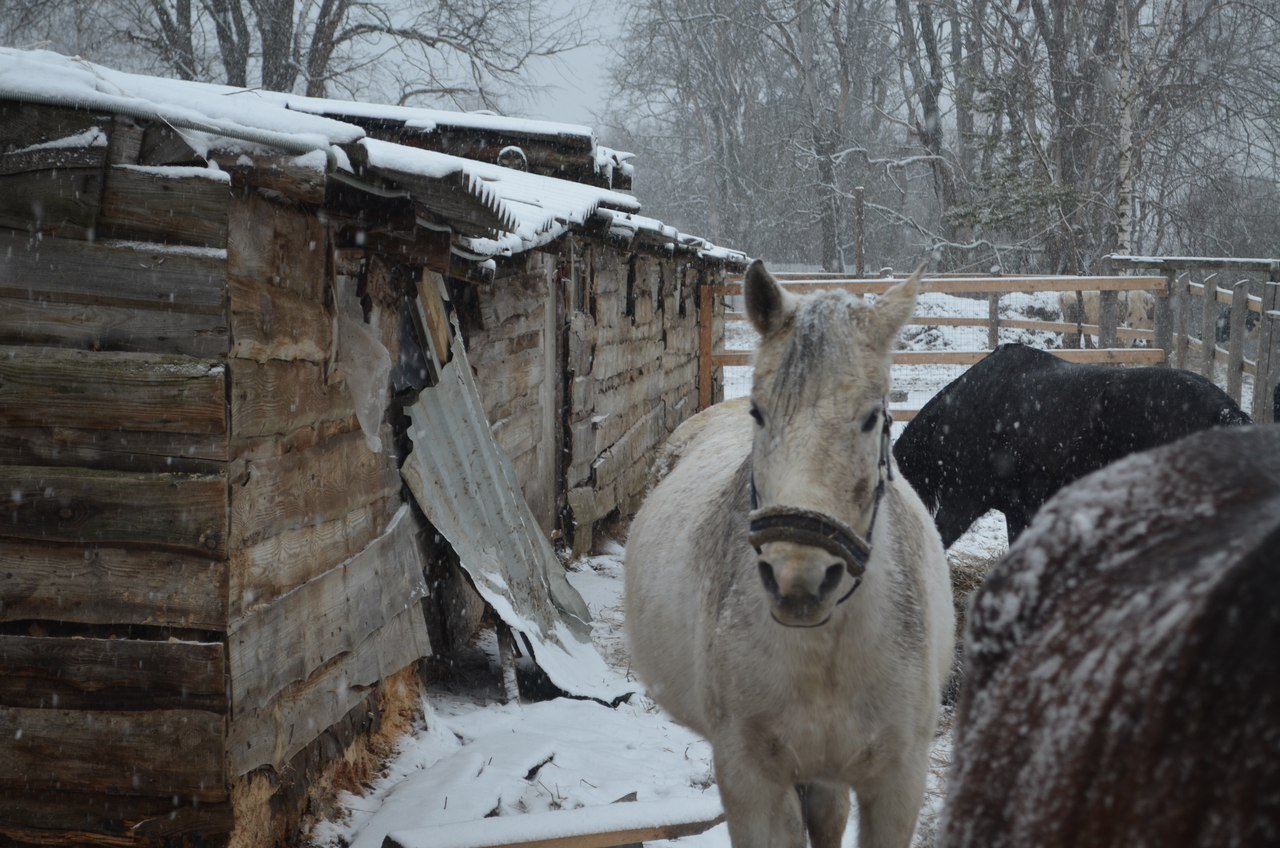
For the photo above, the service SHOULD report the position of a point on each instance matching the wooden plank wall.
(507, 349)
(197, 578)
(323, 601)
(632, 376)
(114, 543)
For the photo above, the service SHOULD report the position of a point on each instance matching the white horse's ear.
(893, 308)
(768, 306)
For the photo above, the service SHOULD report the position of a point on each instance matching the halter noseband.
(809, 527)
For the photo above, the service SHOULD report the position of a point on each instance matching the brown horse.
(1123, 674)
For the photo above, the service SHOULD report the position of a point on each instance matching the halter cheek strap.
(809, 527)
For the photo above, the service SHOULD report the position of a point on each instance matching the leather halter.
(810, 527)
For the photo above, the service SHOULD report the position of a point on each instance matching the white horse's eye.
(870, 423)
(757, 415)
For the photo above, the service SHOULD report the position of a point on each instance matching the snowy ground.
(474, 756)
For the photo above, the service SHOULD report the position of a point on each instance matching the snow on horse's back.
(1122, 680)
(787, 595)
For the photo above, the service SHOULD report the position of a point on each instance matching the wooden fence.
(1201, 290)
(1108, 328)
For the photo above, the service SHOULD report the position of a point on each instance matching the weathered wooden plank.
(62, 202)
(157, 752)
(1235, 341)
(274, 494)
(23, 124)
(165, 205)
(283, 177)
(70, 271)
(278, 245)
(429, 285)
(971, 284)
(263, 572)
(52, 817)
(186, 512)
(1129, 356)
(278, 397)
(111, 674)
(111, 390)
(121, 450)
(26, 159)
(43, 580)
(269, 322)
(288, 640)
(44, 321)
(274, 733)
(584, 827)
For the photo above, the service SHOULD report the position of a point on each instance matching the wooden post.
(993, 320)
(1164, 319)
(859, 220)
(507, 659)
(706, 338)
(1108, 318)
(1264, 378)
(1209, 326)
(1181, 290)
(1235, 341)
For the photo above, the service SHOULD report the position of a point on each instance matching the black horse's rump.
(1022, 423)
(1123, 683)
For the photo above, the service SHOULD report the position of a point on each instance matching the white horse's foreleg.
(826, 812)
(888, 807)
(761, 812)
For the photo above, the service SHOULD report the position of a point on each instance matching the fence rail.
(1108, 329)
(1252, 321)
(1188, 324)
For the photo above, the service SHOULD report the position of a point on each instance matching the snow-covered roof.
(494, 210)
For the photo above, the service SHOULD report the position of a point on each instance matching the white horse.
(741, 574)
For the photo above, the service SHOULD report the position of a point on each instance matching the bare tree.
(463, 51)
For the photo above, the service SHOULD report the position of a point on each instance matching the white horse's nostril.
(767, 578)
(832, 579)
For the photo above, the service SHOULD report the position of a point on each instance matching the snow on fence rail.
(1107, 329)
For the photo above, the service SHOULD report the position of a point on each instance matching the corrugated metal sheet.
(466, 486)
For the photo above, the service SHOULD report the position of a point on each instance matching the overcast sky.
(578, 81)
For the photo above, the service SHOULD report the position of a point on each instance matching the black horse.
(1022, 423)
(1123, 685)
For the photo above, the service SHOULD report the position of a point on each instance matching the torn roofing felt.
(465, 484)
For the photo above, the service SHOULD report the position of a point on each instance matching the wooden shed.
(215, 306)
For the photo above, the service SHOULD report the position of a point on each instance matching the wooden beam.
(261, 573)
(147, 204)
(44, 580)
(96, 273)
(183, 512)
(584, 827)
(79, 817)
(706, 336)
(275, 494)
(972, 285)
(278, 397)
(37, 320)
(111, 674)
(288, 640)
(111, 390)
(1127, 356)
(120, 450)
(157, 752)
(274, 323)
